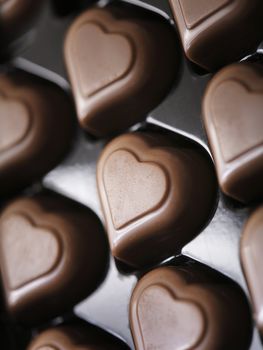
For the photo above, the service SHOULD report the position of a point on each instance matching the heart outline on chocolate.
(151, 209)
(19, 104)
(195, 22)
(46, 230)
(221, 139)
(126, 69)
(178, 301)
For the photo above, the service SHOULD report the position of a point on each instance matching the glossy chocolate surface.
(251, 258)
(115, 67)
(53, 253)
(16, 18)
(74, 337)
(233, 117)
(217, 245)
(190, 308)
(36, 128)
(155, 194)
(217, 32)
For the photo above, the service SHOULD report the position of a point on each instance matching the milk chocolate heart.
(99, 70)
(234, 123)
(149, 197)
(196, 12)
(188, 307)
(185, 322)
(215, 33)
(238, 118)
(142, 187)
(15, 122)
(45, 243)
(111, 55)
(29, 252)
(76, 336)
(36, 119)
(251, 258)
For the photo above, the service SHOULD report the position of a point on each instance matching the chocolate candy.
(187, 308)
(76, 337)
(233, 119)
(114, 63)
(53, 253)
(155, 196)
(16, 18)
(218, 32)
(36, 128)
(251, 257)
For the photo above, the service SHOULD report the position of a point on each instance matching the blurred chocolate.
(67, 7)
(233, 117)
(218, 32)
(36, 128)
(5, 343)
(189, 308)
(76, 336)
(122, 61)
(156, 196)
(53, 254)
(16, 18)
(251, 258)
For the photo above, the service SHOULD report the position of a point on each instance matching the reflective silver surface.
(217, 246)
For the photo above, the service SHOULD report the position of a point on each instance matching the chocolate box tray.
(180, 113)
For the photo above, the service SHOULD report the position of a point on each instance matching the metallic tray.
(180, 113)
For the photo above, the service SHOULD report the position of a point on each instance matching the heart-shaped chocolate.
(17, 18)
(195, 12)
(215, 33)
(28, 251)
(15, 122)
(94, 67)
(185, 323)
(232, 111)
(251, 258)
(139, 189)
(111, 56)
(238, 118)
(36, 119)
(188, 307)
(76, 336)
(147, 194)
(45, 243)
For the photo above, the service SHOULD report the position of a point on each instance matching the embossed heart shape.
(184, 321)
(14, 123)
(28, 251)
(237, 114)
(104, 58)
(133, 188)
(195, 12)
